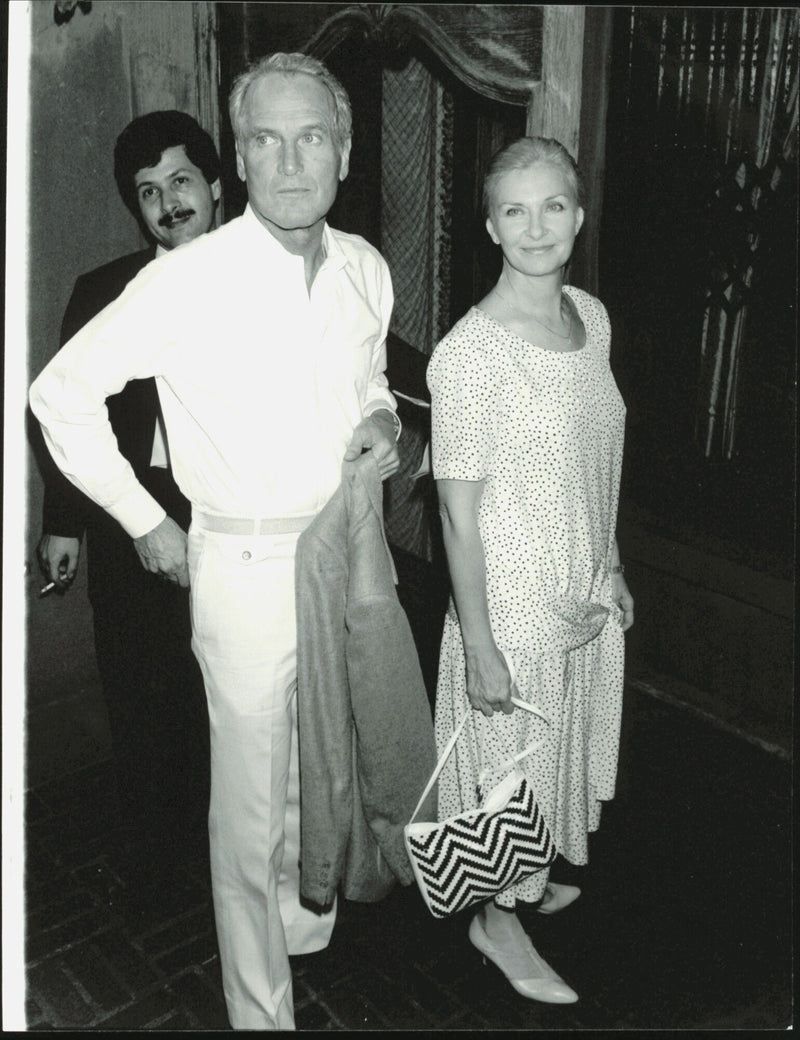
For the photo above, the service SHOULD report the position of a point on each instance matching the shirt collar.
(334, 254)
(335, 257)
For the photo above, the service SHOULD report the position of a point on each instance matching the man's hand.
(376, 433)
(163, 552)
(58, 558)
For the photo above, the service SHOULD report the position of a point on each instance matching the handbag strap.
(451, 743)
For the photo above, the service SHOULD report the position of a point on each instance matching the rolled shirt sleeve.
(378, 394)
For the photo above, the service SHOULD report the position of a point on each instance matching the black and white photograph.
(399, 517)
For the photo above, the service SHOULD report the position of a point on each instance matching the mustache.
(169, 218)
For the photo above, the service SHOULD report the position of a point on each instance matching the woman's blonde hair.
(524, 152)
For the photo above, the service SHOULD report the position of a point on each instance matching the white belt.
(230, 525)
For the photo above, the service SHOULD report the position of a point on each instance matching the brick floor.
(684, 921)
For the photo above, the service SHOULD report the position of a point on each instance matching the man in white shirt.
(267, 342)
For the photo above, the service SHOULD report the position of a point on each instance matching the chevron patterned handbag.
(474, 855)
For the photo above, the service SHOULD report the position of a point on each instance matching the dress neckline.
(527, 342)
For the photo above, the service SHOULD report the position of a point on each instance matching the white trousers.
(244, 637)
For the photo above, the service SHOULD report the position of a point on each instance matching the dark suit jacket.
(132, 412)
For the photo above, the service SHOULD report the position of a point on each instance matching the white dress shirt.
(261, 382)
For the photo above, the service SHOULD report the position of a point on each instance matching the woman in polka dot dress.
(527, 449)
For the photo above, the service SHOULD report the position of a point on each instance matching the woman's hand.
(489, 685)
(621, 595)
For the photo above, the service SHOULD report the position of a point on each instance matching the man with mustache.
(167, 172)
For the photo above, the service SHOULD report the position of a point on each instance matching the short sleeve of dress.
(463, 385)
(594, 316)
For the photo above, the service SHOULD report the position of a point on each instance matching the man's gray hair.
(293, 64)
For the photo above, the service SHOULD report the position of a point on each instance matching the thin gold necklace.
(553, 332)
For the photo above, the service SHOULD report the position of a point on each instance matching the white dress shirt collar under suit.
(260, 381)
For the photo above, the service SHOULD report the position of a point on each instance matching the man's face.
(176, 201)
(286, 152)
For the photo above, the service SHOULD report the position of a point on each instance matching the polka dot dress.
(544, 430)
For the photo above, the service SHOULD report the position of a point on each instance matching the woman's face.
(534, 217)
